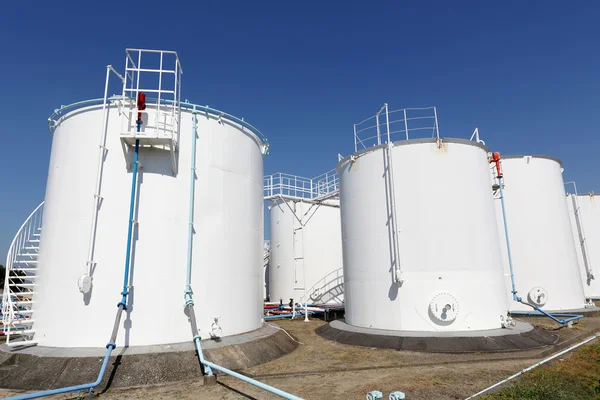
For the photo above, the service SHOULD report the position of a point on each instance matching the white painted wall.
(448, 242)
(540, 234)
(228, 244)
(589, 211)
(307, 257)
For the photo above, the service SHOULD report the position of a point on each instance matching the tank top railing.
(403, 124)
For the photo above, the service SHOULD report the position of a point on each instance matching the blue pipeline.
(560, 318)
(121, 306)
(244, 378)
(125, 291)
(510, 263)
(189, 302)
(85, 386)
(269, 317)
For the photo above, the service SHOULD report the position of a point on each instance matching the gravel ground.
(320, 369)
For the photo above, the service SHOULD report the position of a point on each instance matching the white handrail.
(28, 229)
(296, 187)
(411, 120)
(322, 283)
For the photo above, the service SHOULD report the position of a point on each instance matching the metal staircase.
(329, 288)
(19, 284)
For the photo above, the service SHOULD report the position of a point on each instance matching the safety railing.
(297, 187)
(21, 265)
(54, 118)
(156, 73)
(388, 126)
(325, 286)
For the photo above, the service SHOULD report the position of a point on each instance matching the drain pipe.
(559, 318)
(189, 302)
(544, 361)
(122, 305)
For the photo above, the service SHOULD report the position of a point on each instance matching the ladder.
(20, 281)
(582, 238)
(298, 250)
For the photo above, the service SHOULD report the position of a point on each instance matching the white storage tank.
(544, 257)
(585, 222)
(228, 224)
(449, 276)
(306, 252)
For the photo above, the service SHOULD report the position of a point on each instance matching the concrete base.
(41, 368)
(522, 337)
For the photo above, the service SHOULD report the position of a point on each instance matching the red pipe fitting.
(141, 105)
(496, 159)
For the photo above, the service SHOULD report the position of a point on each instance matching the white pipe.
(536, 365)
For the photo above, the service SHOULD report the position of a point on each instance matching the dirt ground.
(320, 369)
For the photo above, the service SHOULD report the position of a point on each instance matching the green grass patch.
(574, 377)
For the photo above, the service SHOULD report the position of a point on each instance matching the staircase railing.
(324, 286)
(21, 266)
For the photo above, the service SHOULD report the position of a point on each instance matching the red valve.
(496, 159)
(141, 105)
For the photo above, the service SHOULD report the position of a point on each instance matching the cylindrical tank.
(448, 245)
(227, 246)
(306, 252)
(587, 230)
(544, 259)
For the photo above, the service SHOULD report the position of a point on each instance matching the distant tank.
(306, 252)
(544, 257)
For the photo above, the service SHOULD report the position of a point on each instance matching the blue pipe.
(85, 386)
(244, 378)
(111, 345)
(269, 317)
(568, 317)
(189, 301)
(510, 263)
(125, 291)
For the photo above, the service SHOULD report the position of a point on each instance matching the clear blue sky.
(525, 72)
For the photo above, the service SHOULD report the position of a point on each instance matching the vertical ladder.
(582, 238)
(298, 251)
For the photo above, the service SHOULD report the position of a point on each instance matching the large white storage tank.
(228, 224)
(544, 257)
(585, 222)
(449, 275)
(306, 252)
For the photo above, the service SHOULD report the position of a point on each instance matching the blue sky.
(525, 73)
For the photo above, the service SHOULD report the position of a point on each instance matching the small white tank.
(586, 233)
(448, 244)
(306, 252)
(546, 270)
